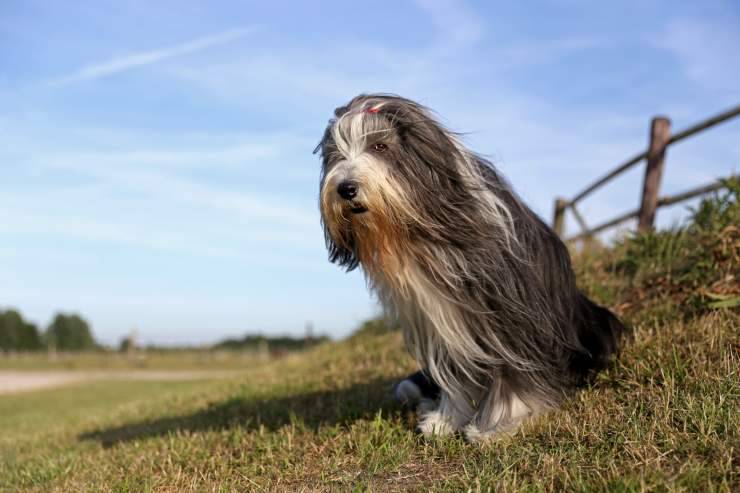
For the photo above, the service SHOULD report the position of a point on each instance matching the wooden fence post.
(558, 220)
(660, 134)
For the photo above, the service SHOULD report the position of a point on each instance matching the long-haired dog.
(483, 288)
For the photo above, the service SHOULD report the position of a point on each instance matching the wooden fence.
(660, 140)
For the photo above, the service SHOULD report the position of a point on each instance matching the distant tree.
(70, 333)
(254, 342)
(16, 334)
(8, 331)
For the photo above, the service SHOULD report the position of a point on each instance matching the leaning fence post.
(660, 134)
(559, 216)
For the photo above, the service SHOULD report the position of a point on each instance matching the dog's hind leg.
(411, 390)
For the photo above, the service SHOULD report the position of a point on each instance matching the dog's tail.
(600, 333)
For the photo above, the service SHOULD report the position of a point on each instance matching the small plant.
(681, 272)
(719, 210)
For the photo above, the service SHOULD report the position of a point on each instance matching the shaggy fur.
(482, 287)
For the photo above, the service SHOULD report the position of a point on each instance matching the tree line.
(70, 332)
(66, 332)
(273, 343)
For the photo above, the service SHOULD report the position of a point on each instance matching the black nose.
(347, 190)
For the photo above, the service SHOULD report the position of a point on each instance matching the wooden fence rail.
(660, 140)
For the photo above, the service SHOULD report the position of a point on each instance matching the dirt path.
(20, 381)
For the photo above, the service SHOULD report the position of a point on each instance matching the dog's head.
(391, 174)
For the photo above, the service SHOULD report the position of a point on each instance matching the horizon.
(158, 159)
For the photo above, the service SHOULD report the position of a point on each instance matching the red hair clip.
(373, 110)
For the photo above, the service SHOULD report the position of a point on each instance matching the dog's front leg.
(443, 417)
(500, 411)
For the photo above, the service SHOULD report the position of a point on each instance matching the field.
(145, 360)
(664, 417)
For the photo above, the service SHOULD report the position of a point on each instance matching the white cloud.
(249, 207)
(124, 198)
(125, 63)
(168, 172)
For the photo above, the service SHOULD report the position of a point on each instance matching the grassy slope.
(663, 418)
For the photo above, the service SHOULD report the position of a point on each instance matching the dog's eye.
(380, 147)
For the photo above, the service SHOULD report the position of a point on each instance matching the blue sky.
(155, 157)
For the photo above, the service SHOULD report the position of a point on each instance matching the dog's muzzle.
(348, 190)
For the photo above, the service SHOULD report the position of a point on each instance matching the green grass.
(664, 417)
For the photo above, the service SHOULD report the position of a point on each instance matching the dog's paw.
(473, 434)
(433, 423)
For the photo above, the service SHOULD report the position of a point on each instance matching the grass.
(664, 417)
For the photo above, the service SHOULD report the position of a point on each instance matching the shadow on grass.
(312, 409)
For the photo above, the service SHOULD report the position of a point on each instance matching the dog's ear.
(342, 255)
(324, 139)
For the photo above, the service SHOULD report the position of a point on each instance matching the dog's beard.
(375, 226)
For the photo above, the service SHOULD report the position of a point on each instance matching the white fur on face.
(349, 134)
(357, 164)
(378, 191)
